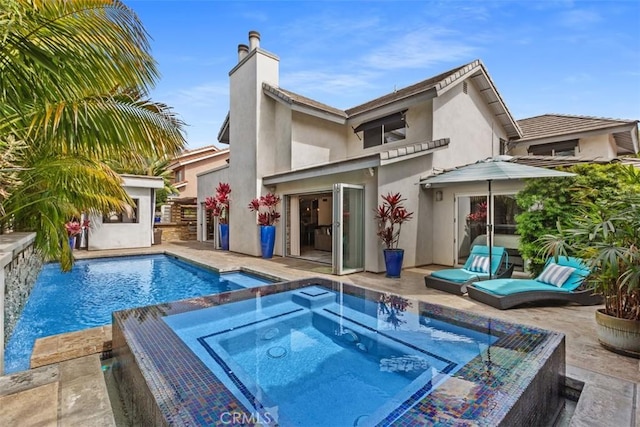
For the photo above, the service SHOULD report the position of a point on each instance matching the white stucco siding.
(419, 119)
(467, 121)
(123, 236)
(443, 214)
(252, 137)
(283, 144)
(415, 235)
(598, 146)
(315, 141)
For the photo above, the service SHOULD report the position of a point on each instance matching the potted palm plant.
(219, 208)
(268, 216)
(607, 236)
(390, 215)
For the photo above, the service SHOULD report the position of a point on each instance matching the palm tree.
(74, 77)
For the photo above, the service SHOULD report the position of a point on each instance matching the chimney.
(243, 51)
(254, 40)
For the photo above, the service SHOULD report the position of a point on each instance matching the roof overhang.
(350, 165)
(282, 98)
(492, 97)
(382, 158)
(142, 181)
(223, 133)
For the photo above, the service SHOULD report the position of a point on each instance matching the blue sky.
(569, 57)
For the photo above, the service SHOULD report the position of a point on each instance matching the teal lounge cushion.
(513, 286)
(458, 275)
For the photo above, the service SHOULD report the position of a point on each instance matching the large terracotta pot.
(618, 335)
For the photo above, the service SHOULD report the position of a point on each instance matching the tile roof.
(549, 125)
(293, 98)
(413, 149)
(437, 82)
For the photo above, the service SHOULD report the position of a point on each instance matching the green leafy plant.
(390, 215)
(549, 203)
(606, 234)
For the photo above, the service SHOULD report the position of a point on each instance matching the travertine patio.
(611, 396)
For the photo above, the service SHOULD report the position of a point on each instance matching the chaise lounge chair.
(455, 280)
(552, 285)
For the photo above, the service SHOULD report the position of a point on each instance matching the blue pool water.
(86, 296)
(309, 357)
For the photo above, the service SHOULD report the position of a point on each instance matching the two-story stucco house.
(332, 166)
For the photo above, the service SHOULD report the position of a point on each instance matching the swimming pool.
(317, 352)
(86, 296)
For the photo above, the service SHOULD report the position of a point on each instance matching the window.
(384, 130)
(562, 148)
(504, 147)
(129, 216)
(179, 175)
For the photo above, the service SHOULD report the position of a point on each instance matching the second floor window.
(178, 175)
(384, 130)
(562, 148)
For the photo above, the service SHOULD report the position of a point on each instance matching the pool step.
(58, 348)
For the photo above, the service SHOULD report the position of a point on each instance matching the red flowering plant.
(479, 214)
(73, 228)
(267, 209)
(391, 214)
(219, 205)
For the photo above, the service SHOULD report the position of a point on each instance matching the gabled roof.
(436, 85)
(196, 155)
(293, 99)
(404, 93)
(439, 84)
(563, 125)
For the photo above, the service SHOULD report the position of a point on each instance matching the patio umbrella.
(500, 168)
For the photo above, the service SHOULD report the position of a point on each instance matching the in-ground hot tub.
(319, 352)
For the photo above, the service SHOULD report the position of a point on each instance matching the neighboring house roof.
(552, 126)
(433, 87)
(357, 163)
(197, 155)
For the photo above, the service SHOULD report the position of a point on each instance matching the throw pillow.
(480, 264)
(555, 274)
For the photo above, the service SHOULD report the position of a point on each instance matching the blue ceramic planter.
(393, 262)
(267, 240)
(72, 242)
(224, 236)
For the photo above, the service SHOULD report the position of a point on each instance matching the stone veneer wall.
(173, 232)
(20, 264)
